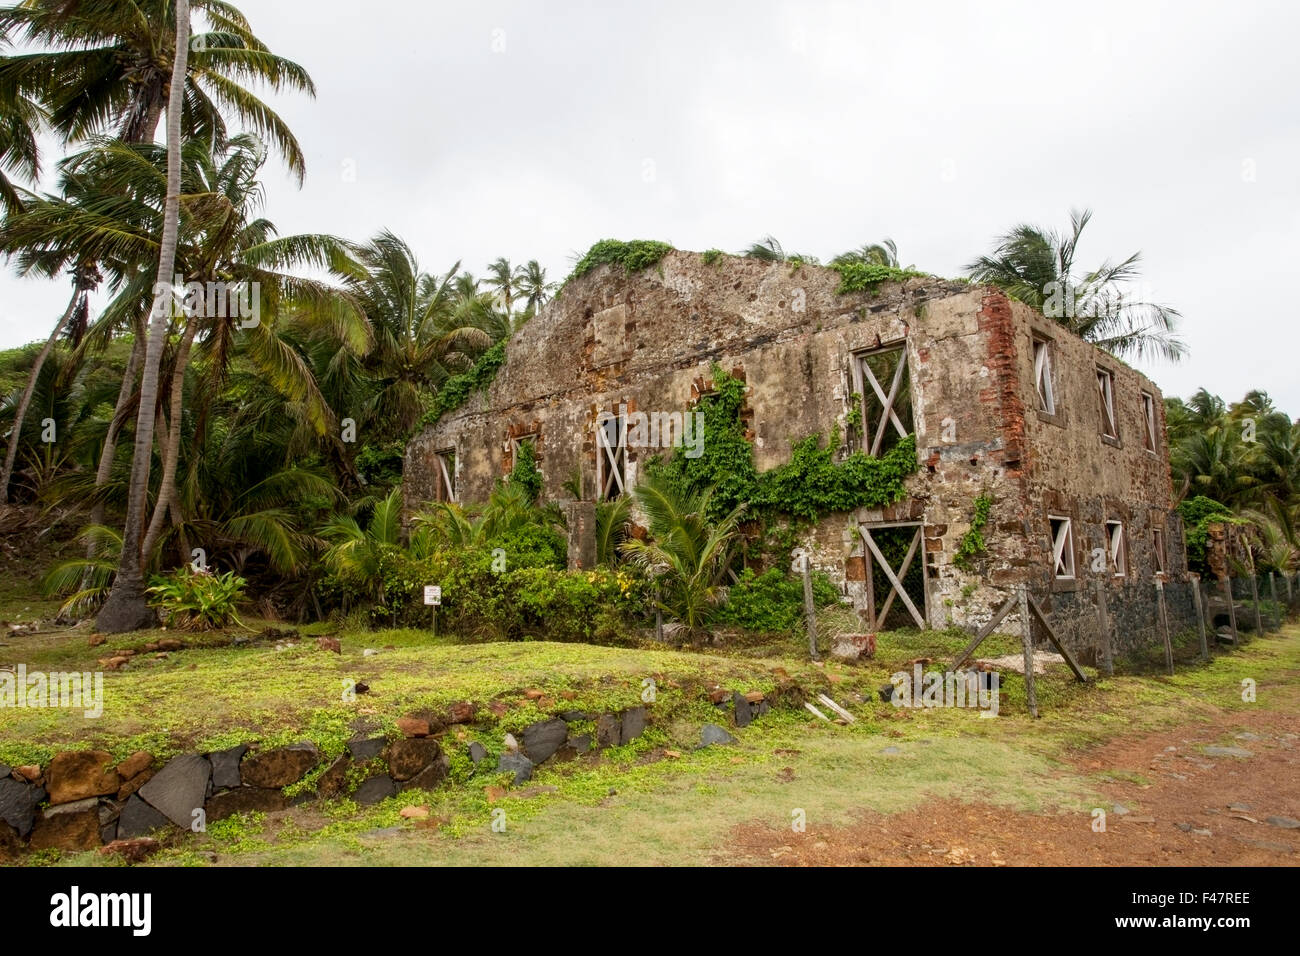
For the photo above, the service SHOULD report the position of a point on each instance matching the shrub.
(197, 600)
(772, 601)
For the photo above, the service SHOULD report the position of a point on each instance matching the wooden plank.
(983, 632)
(1056, 641)
(889, 573)
(1027, 640)
(809, 606)
(813, 710)
(837, 708)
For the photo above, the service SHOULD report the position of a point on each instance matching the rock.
(711, 734)
(1243, 807)
(1283, 823)
(179, 788)
(135, 783)
(609, 731)
(1247, 735)
(139, 819)
(329, 644)
(413, 813)
(413, 727)
(477, 752)
(891, 751)
(244, 800)
(429, 777)
(543, 738)
(633, 723)
(225, 767)
(741, 711)
(718, 695)
(171, 644)
(1227, 752)
(513, 761)
(510, 742)
(886, 693)
(498, 707)
(133, 851)
(96, 640)
(852, 647)
(334, 780)
(77, 774)
(365, 748)
(573, 716)
(137, 763)
(18, 805)
(534, 694)
(461, 712)
(279, 767)
(409, 756)
(5, 770)
(374, 790)
(1202, 832)
(1120, 810)
(361, 687)
(70, 826)
(369, 652)
(580, 744)
(31, 773)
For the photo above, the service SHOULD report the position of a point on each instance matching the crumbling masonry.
(1065, 441)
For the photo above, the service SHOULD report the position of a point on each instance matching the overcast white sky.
(530, 130)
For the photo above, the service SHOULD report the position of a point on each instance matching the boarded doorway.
(895, 559)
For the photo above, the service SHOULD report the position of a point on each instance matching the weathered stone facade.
(645, 342)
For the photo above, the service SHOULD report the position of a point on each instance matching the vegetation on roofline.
(633, 256)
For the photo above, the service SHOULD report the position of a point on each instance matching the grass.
(656, 801)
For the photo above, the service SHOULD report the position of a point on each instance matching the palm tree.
(1036, 266)
(105, 67)
(85, 279)
(501, 277)
(425, 329)
(883, 253)
(127, 607)
(20, 117)
(530, 282)
(691, 553)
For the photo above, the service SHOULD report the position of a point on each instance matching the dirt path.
(1168, 780)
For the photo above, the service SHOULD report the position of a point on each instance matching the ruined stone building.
(1064, 441)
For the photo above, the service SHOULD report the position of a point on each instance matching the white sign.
(432, 594)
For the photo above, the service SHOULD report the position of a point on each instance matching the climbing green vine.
(632, 256)
(865, 276)
(456, 390)
(972, 543)
(811, 484)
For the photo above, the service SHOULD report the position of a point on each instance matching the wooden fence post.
(1200, 616)
(1027, 636)
(1164, 625)
(1232, 610)
(1254, 596)
(1103, 628)
(1277, 608)
(809, 607)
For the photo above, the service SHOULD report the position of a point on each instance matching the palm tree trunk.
(127, 607)
(109, 451)
(172, 451)
(12, 454)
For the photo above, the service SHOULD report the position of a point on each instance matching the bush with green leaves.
(772, 602)
(197, 600)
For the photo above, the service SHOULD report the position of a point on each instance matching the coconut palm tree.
(127, 607)
(104, 67)
(883, 253)
(1037, 267)
(501, 277)
(530, 282)
(20, 117)
(426, 328)
(690, 553)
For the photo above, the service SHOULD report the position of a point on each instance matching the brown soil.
(1174, 782)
